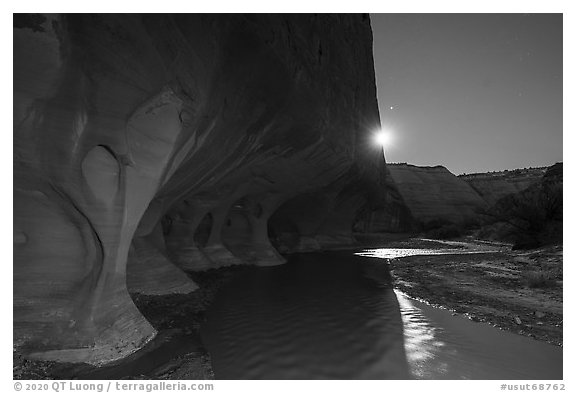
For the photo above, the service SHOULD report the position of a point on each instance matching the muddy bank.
(516, 291)
(176, 352)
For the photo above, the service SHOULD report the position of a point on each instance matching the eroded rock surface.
(492, 186)
(178, 137)
(532, 217)
(433, 193)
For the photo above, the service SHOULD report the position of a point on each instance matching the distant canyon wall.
(147, 145)
(492, 186)
(531, 217)
(434, 193)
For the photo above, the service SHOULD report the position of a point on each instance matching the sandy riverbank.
(519, 291)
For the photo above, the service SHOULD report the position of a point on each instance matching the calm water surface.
(336, 316)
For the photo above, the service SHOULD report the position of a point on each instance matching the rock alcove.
(150, 145)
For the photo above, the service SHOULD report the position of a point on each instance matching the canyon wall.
(147, 145)
(435, 196)
(531, 217)
(434, 193)
(492, 186)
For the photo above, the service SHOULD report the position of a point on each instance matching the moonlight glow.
(383, 138)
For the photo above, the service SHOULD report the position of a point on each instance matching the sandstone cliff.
(434, 193)
(148, 144)
(531, 217)
(492, 186)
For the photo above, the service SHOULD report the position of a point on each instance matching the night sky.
(472, 92)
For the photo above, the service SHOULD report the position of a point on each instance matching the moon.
(383, 138)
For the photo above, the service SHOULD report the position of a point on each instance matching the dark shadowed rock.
(532, 217)
(129, 130)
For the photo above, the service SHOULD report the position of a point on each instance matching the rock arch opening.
(237, 233)
(283, 233)
(202, 233)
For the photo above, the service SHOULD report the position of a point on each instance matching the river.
(335, 315)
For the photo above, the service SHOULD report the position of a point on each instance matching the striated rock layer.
(434, 193)
(492, 186)
(532, 217)
(144, 144)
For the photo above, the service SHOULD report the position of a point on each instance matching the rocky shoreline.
(517, 291)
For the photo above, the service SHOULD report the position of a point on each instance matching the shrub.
(445, 232)
(541, 279)
(533, 216)
(525, 242)
(436, 223)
